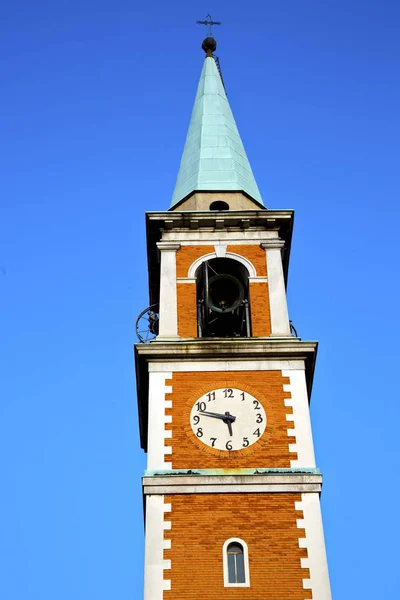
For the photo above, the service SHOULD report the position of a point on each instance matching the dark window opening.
(219, 205)
(223, 299)
(236, 572)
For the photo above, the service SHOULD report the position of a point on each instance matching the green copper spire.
(214, 158)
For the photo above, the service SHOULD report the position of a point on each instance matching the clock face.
(228, 419)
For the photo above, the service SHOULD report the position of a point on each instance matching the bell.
(225, 293)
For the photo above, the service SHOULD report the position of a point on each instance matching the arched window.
(219, 205)
(223, 308)
(236, 563)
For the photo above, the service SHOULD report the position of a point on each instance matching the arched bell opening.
(223, 299)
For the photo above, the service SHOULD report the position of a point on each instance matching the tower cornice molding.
(273, 244)
(168, 246)
(217, 484)
(223, 348)
(240, 218)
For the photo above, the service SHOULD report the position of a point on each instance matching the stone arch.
(241, 259)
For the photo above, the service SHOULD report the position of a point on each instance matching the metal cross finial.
(209, 23)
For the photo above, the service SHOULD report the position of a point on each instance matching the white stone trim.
(244, 261)
(284, 488)
(220, 250)
(251, 280)
(168, 246)
(316, 562)
(300, 419)
(277, 293)
(246, 563)
(157, 434)
(272, 244)
(168, 324)
(185, 280)
(243, 364)
(232, 484)
(207, 237)
(155, 544)
(258, 279)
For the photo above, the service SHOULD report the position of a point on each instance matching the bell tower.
(231, 490)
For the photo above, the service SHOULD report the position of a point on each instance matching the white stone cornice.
(208, 365)
(208, 237)
(168, 246)
(217, 484)
(272, 244)
(238, 348)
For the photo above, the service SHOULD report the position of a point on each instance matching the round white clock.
(228, 419)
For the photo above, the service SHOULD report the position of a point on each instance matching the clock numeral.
(245, 442)
(256, 405)
(196, 419)
(199, 432)
(257, 433)
(201, 406)
(213, 440)
(211, 396)
(242, 396)
(228, 393)
(259, 418)
(228, 445)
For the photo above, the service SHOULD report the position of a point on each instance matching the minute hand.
(224, 417)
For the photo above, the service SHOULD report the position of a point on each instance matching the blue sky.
(96, 99)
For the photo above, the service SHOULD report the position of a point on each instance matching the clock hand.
(229, 419)
(226, 417)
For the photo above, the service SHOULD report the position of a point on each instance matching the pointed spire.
(214, 158)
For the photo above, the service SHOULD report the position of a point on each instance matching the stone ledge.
(232, 472)
(239, 348)
(215, 484)
(232, 489)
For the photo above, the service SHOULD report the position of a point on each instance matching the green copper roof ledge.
(230, 472)
(214, 158)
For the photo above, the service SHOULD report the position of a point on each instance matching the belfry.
(231, 490)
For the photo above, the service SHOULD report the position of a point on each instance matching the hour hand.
(229, 419)
(226, 418)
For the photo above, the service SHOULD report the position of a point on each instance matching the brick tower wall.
(201, 523)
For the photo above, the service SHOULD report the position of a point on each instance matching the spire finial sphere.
(209, 46)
